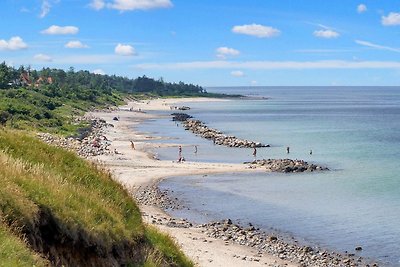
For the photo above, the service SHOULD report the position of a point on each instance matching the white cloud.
(54, 29)
(392, 19)
(15, 43)
(223, 52)
(262, 65)
(45, 9)
(75, 44)
(237, 73)
(328, 34)
(127, 5)
(43, 57)
(361, 8)
(97, 4)
(256, 30)
(253, 82)
(124, 50)
(99, 71)
(376, 46)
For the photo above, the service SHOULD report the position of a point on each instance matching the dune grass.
(14, 251)
(80, 196)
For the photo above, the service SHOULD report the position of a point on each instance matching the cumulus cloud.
(391, 20)
(15, 43)
(223, 52)
(97, 4)
(328, 34)
(99, 71)
(124, 50)
(54, 29)
(361, 8)
(237, 73)
(257, 30)
(376, 46)
(43, 57)
(75, 44)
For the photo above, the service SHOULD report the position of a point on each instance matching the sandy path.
(136, 167)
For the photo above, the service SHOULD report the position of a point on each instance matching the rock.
(286, 165)
(218, 138)
(359, 248)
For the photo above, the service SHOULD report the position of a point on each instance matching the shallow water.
(352, 130)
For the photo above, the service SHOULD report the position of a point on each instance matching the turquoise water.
(354, 131)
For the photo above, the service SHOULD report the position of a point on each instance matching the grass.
(80, 196)
(14, 251)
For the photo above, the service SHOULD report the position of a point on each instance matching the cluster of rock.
(90, 142)
(180, 116)
(199, 128)
(153, 196)
(286, 165)
(277, 246)
(264, 243)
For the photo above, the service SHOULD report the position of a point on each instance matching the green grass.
(14, 251)
(80, 196)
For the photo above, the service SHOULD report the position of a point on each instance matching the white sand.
(136, 167)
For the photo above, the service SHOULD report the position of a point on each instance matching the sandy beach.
(216, 243)
(136, 168)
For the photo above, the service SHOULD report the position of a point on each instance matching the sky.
(209, 42)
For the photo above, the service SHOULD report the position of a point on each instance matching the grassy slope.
(86, 204)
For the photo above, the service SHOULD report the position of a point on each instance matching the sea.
(354, 131)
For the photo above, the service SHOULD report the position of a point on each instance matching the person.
(132, 145)
(195, 149)
(310, 152)
(288, 150)
(255, 152)
(179, 153)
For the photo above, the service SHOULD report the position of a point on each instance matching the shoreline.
(137, 169)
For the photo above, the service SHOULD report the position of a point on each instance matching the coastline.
(137, 169)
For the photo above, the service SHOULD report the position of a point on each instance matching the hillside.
(56, 204)
(56, 208)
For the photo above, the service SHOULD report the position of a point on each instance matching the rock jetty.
(286, 165)
(219, 138)
(91, 142)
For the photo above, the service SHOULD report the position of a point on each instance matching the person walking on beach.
(287, 150)
(179, 153)
(132, 145)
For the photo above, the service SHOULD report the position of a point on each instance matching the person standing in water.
(195, 149)
(255, 152)
(288, 150)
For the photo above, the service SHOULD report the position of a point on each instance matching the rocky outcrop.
(219, 138)
(180, 116)
(90, 143)
(286, 165)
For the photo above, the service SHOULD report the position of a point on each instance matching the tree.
(5, 76)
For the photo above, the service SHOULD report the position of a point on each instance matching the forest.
(47, 99)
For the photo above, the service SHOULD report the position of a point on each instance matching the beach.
(136, 168)
(212, 244)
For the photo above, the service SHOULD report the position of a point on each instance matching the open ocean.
(355, 131)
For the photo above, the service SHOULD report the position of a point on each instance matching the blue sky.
(211, 43)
